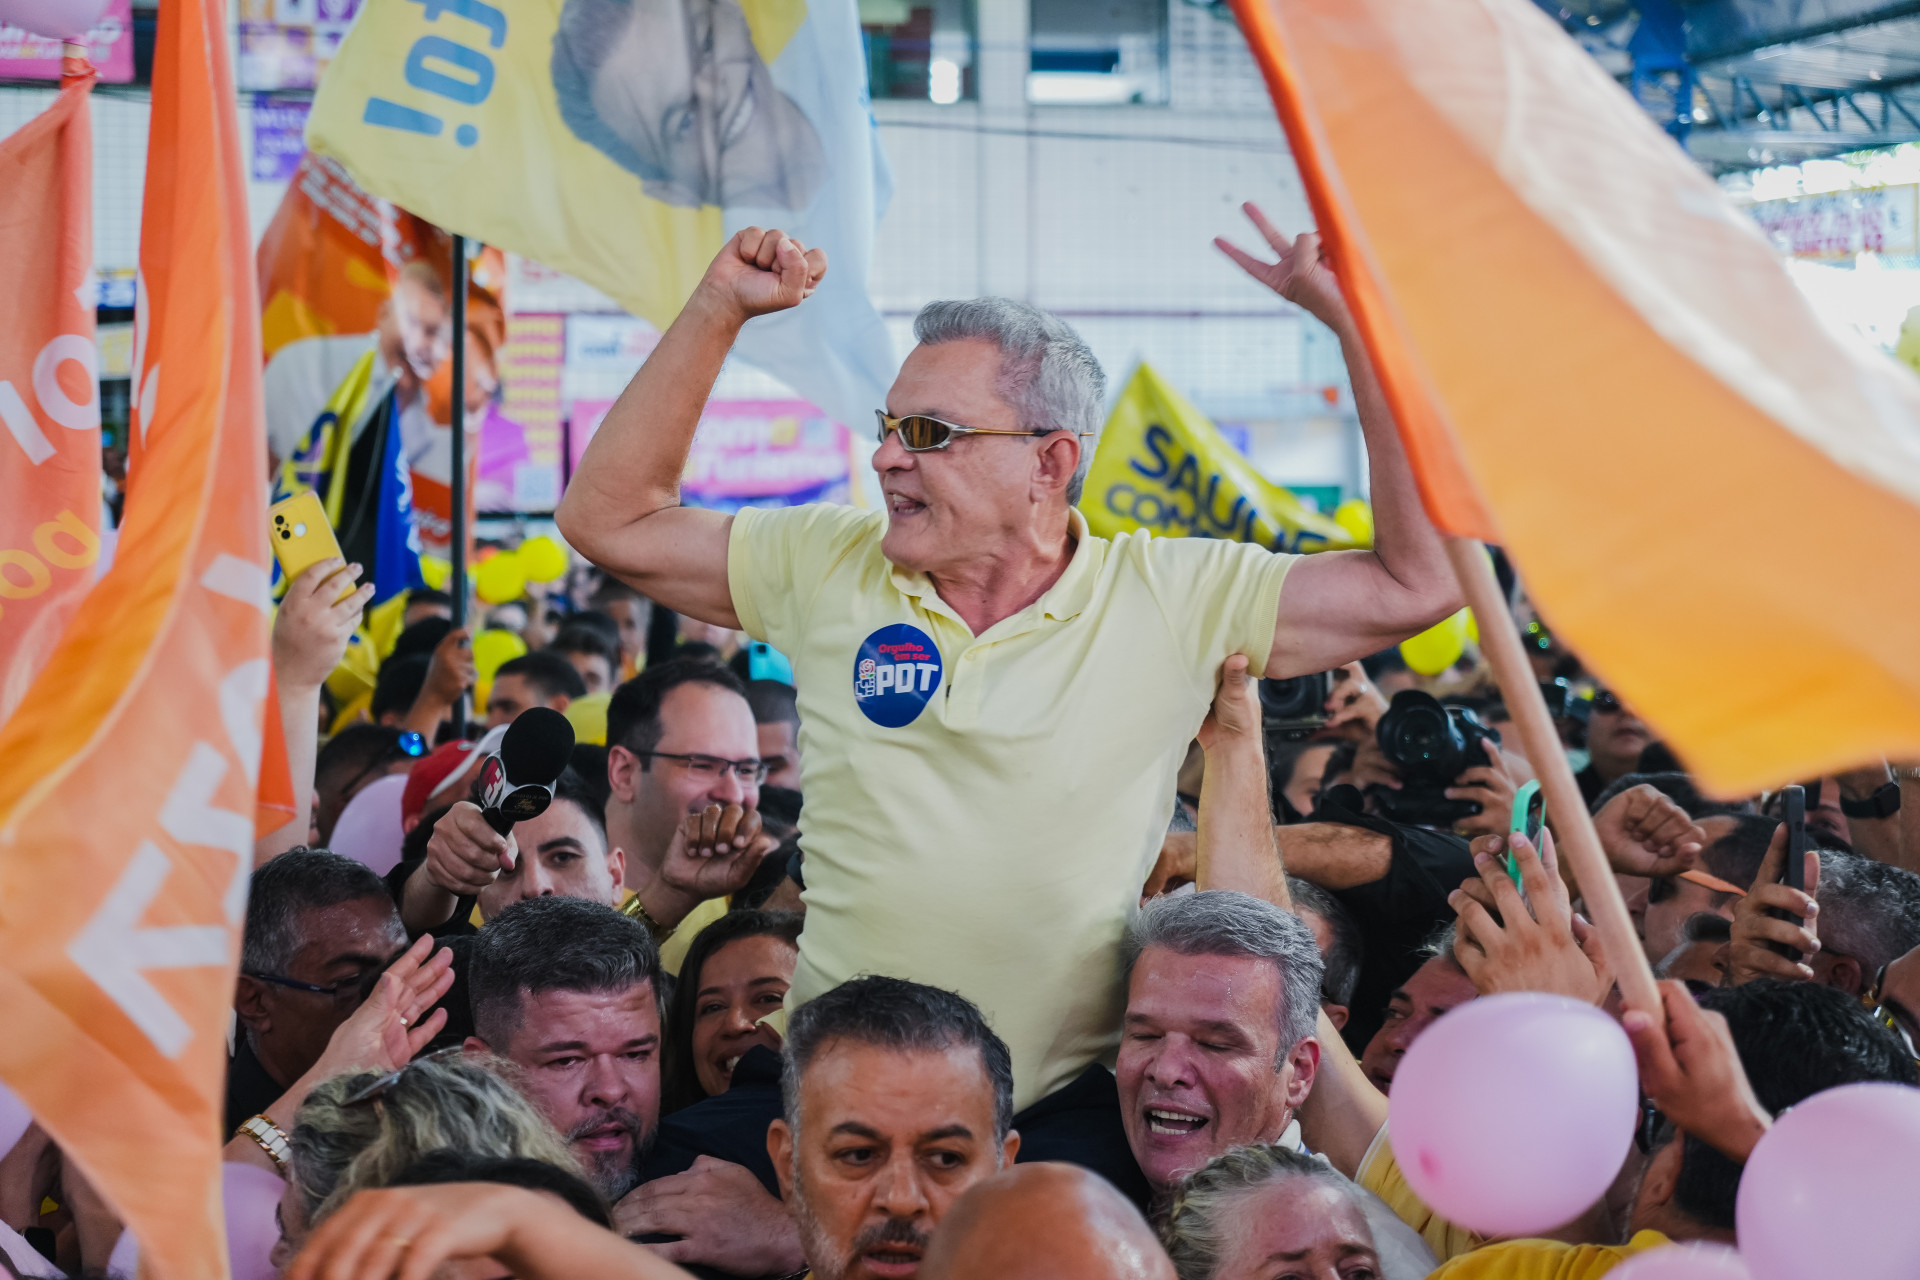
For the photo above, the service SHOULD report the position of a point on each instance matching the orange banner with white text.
(50, 453)
(142, 759)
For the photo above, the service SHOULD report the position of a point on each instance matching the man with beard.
(897, 1097)
(567, 990)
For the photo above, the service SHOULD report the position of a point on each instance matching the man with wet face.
(897, 1097)
(1218, 1046)
(567, 990)
(320, 928)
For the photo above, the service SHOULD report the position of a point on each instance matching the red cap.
(435, 779)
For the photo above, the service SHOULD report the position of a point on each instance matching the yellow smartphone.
(301, 536)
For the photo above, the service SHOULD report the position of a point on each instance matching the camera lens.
(1291, 699)
(1419, 737)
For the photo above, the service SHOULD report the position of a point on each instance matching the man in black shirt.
(320, 929)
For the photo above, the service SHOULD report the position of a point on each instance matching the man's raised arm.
(622, 510)
(1340, 605)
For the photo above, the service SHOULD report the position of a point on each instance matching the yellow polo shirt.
(1545, 1259)
(982, 810)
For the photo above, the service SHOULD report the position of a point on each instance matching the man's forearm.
(300, 727)
(424, 905)
(1235, 848)
(1404, 540)
(632, 467)
(1333, 855)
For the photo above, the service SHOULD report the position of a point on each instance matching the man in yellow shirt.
(994, 703)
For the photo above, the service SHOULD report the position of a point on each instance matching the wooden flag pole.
(457, 537)
(1576, 840)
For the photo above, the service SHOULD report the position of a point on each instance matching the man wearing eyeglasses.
(320, 929)
(681, 740)
(994, 703)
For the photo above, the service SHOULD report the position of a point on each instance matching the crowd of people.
(1010, 932)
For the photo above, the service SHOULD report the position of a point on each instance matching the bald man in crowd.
(1045, 1222)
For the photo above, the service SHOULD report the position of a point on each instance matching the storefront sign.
(1841, 224)
(26, 56)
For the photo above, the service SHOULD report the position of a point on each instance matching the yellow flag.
(622, 143)
(1163, 466)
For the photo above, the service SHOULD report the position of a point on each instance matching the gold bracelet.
(636, 909)
(270, 1138)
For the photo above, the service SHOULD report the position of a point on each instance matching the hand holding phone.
(301, 537)
(1793, 874)
(1529, 815)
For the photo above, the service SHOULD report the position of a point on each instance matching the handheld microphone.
(516, 782)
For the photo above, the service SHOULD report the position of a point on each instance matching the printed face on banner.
(895, 675)
(709, 129)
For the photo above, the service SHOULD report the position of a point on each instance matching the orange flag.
(50, 451)
(1595, 360)
(134, 764)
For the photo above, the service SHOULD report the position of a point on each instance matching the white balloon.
(56, 19)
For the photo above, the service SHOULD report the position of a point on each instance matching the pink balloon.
(58, 19)
(1834, 1188)
(251, 1194)
(1512, 1114)
(1683, 1262)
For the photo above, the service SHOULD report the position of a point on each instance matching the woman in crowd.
(736, 972)
(1269, 1213)
(362, 1130)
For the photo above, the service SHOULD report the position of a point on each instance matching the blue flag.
(396, 553)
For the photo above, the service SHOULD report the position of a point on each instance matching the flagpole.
(457, 537)
(1576, 840)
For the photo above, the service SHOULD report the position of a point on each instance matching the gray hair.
(1220, 922)
(893, 1013)
(1047, 371)
(1200, 1223)
(554, 943)
(284, 889)
(1868, 910)
(1439, 944)
(341, 1146)
(1343, 958)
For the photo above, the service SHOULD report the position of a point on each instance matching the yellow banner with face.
(622, 141)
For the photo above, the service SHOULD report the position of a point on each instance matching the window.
(1097, 52)
(919, 49)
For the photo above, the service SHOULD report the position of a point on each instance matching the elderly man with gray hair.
(1218, 1049)
(994, 703)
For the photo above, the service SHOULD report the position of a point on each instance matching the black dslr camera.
(1292, 709)
(1430, 745)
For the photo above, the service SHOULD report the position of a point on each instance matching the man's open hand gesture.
(760, 271)
(1301, 276)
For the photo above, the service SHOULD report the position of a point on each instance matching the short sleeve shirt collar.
(1064, 600)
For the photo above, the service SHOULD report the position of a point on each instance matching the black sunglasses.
(1605, 701)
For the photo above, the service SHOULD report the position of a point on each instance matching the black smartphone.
(1793, 811)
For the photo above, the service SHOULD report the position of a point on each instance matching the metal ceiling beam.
(1724, 30)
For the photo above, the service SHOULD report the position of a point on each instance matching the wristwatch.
(1883, 803)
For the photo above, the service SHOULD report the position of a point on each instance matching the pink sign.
(26, 56)
(748, 453)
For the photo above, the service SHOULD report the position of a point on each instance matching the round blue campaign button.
(895, 674)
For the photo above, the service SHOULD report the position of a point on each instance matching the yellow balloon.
(491, 648)
(434, 572)
(543, 559)
(500, 578)
(1473, 628)
(1438, 647)
(1355, 515)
